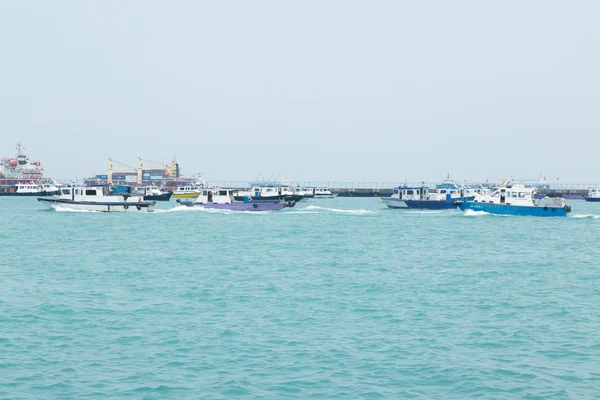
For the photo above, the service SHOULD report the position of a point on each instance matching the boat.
(23, 189)
(153, 193)
(269, 192)
(323, 193)
(106, 198)
(190, 190)
(187, 192)
(20, 169)
(442, 197)
(593, 195)
(305, 192)
(224, 199)
(516, 200)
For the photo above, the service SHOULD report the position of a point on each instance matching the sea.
(333, 299)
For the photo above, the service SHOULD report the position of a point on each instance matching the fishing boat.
(269, 192)
(516, 200)
(224, 199)
(106, 198)
(442, 197)
(153, 193)
(593, 195)
(22, 189)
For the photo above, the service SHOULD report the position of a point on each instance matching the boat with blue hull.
(442, 197)
(516, 200)
(153, 193)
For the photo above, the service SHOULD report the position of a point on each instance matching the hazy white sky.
(310, 90)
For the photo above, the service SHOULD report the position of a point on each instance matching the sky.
(335, 90)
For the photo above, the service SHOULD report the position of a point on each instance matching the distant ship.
(20, 169)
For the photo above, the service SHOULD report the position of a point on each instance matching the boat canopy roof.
(410, 187)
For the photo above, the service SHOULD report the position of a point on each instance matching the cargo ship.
(20, 169)
(154, 175)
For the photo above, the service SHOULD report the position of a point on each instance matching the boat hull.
(185, 195)
(420, 204)
(288, 200)
(159, 197)
(123, 206)
(325, 196)
(507, 209)
(37, 194)
(237, 206)
(593, 199)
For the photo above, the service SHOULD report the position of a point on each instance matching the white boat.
(323, 193)
(29, 189)
(593, 195)
(108, 198)
(269, 192)
(224, 199)
(305, 192)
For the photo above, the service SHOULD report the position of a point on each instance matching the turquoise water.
(335, 298)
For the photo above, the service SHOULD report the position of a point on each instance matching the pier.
(371, 189)
(385, 189)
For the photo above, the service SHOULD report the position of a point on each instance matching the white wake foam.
(73, 210)
(336, 210)
(207, 210)
(473, 213)
(591, 216)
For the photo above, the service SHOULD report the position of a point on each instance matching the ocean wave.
(206, 210)
(337, 210)
(473, 213)
(73, 210)
(590, 216)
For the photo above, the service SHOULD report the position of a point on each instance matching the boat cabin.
(215, 196)
(594, 193)
(411, 193)
(95, 193)
(27, 188)
(518, 195)
(188, 189)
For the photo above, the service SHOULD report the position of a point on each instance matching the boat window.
(443, 191)
(89, 192)
(66, 191)
(409, 192)
(222, 192)
(396, 191)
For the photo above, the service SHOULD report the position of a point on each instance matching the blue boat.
(422, 197)
(516, 200)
